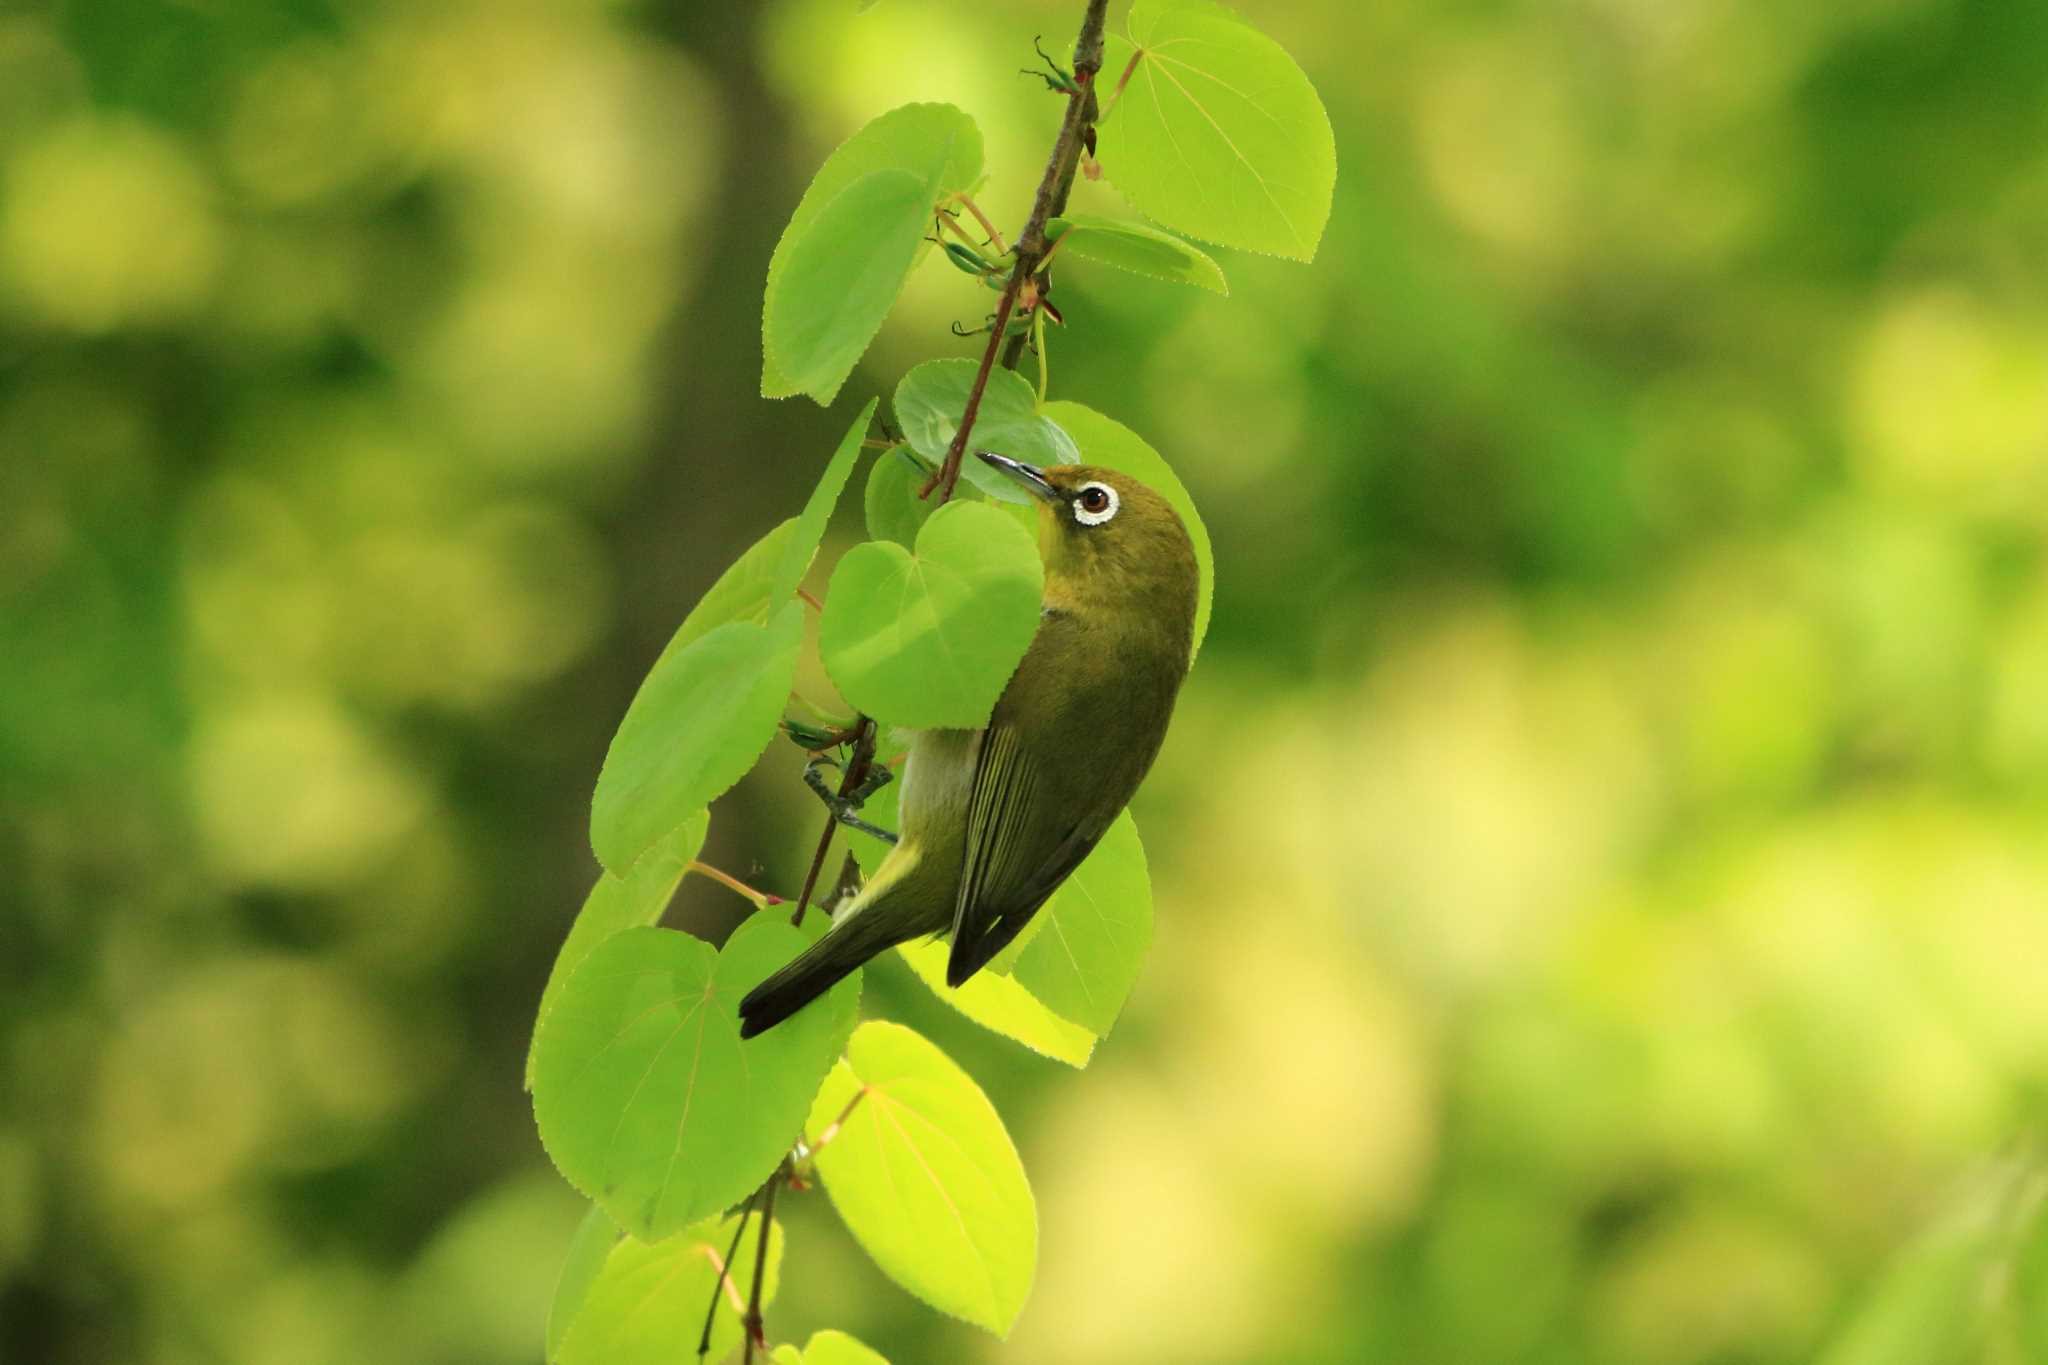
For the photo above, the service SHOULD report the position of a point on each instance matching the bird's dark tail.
(814, 971)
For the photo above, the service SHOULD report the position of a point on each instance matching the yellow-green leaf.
(1002, 1005)
(1217, 133)
(932, 638)
(647, 1098)
(1138, 248)
(932, 398)
(647, 1304)
(618, 903)
(937, 143)
(841, 277)
(701, 717)
(593, 1241)
(1085, 957)
(926, 1178)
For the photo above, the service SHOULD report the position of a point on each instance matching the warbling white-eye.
(993, 820)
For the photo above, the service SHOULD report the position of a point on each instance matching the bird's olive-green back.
(1085, 714)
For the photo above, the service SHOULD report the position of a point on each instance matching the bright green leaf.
(932, 638)
(810, 523)
(841, 278)
(618, 903)
(647, 1304)
(1109, 443)
(1001, 1004)
(1217, 133)
(1138, 248)
(829, 1347)
(744, 592)
(647, 1098)
(702, 716)
(931, 399)
(925, 1176)
(1085, 959)
(894, 510)
(937, 143)
(595, 1237)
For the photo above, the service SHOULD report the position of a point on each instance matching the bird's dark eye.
(1095, 504)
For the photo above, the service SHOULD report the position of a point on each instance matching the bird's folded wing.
(1018, 851)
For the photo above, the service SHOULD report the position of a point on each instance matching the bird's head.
(1109, 541)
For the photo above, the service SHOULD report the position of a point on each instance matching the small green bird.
(994, 820)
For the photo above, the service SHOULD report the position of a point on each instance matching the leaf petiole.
(761, 899)
(966, 201)
(1038, 345)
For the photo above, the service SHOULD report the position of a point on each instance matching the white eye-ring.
(1095, 504)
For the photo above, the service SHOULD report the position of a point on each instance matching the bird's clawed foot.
(844, 808)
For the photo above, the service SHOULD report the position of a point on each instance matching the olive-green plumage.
(992, 821)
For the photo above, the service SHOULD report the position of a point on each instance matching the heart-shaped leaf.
(1085, 958)
(925, 1177)
(649, 1298)
(618, 903)
(702, 716)
(828, 1347)
(1217, 133)
(647, 1098)
(931, 399)
(932, 638)
(1138, 248)
(938, 144)
(1109, 443)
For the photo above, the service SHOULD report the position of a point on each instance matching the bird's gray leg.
(843, 807)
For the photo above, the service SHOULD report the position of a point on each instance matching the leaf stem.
(831, 1130)
(1038, 345)
(1031, 246)
(946, 223)
(1137, 55)
(761, 899)
(995, 238)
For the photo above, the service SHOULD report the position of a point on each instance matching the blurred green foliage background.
(1600, 855)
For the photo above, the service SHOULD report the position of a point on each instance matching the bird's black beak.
(1028, 475)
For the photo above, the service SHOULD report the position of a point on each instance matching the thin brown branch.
(1082, 113)
(724, 1277)
(756, 1332)
(1051, 199)
(858, 765)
